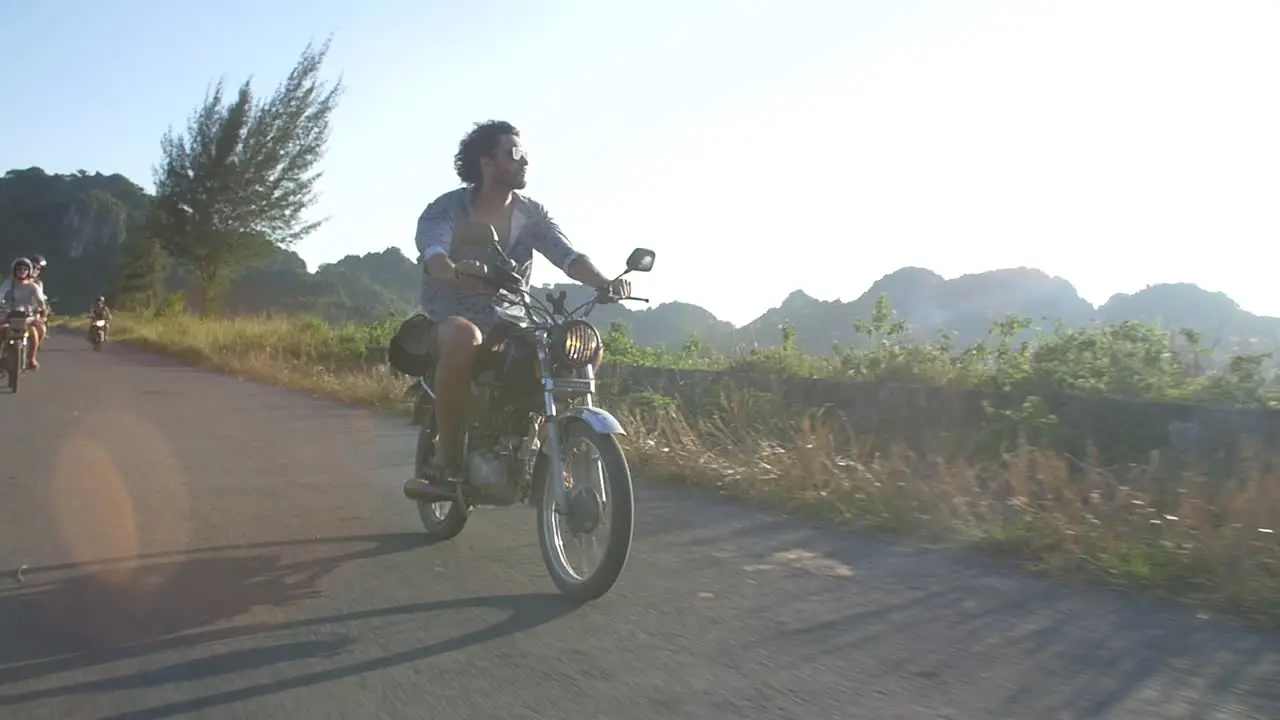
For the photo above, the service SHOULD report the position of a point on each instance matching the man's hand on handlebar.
(616, 290)
(469, 275)
(620, 288)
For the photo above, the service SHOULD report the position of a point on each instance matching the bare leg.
(34, 337)
(457, 340)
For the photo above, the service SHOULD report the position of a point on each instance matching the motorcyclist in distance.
(491, 162)
(99, 311)
(21, 291)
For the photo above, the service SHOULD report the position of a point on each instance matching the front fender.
(602, 421)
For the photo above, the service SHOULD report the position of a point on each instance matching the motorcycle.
(13, 359)
(531, 407)
(97, 333)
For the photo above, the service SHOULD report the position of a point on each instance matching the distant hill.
(82, 221)
(965, 306)
(78, 222)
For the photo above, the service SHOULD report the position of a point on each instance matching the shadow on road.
(96, 613)
(75, 615)
(237, 661)
(1042, 646)
(527, 612)
(1055, 656)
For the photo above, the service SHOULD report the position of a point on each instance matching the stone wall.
(926, 417)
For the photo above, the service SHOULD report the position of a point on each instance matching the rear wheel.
(601, 507)
(442, 520)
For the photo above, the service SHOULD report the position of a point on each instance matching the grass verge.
(1168, 529)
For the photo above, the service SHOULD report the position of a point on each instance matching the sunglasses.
(515, 153)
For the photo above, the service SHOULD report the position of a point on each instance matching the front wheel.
(13, 366)
(602, 503)
(441, 520)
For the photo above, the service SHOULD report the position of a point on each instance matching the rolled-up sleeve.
(550, 241)
(435, 230)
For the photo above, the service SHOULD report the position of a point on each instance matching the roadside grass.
(1166, 526)
(306, 355)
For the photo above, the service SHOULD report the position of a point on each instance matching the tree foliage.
(140, 281)
(240, 179)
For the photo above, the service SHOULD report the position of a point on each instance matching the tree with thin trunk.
(139, 282)
(237, 184)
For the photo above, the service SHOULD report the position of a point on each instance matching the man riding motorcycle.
(20, 291)
(491, 162)
(99, 311)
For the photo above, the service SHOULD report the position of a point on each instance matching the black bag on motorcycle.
(410, 348)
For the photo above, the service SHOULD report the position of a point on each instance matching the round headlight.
(578, 343)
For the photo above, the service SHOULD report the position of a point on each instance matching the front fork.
(14, 349)
(552, 447)
(584, 411)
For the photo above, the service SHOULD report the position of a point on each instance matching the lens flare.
(117, 491)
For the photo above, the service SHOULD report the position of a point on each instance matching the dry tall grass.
(1208, 539)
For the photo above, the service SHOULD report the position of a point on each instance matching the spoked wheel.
(442, 520)
(585, 546)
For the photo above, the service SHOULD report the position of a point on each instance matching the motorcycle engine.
(488, 478)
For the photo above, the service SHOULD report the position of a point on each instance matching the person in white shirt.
(20, 292)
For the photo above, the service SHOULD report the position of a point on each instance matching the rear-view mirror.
(640, 260)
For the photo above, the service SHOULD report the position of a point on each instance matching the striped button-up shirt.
(531, 229)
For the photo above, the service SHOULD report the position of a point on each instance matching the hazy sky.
(758, 147)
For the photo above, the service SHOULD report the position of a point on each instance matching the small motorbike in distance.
(97, 333)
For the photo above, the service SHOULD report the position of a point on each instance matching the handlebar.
(555, 302)
(620, 298)
(506, 279)
(605, 298)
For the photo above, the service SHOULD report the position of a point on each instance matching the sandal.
(437, 474)
(435, 483)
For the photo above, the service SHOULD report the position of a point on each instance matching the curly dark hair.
(481, 141)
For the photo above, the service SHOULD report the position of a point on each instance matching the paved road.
(199, 546)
